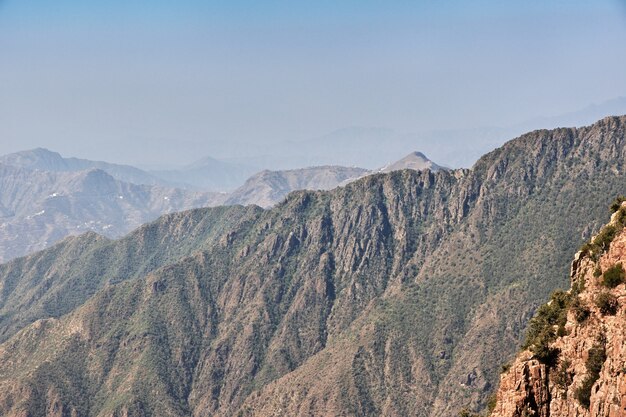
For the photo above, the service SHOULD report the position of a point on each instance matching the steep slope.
(270, 187)
(53, 282)
(575, 361)
(398, 294)
(41, 207)
(45, 160)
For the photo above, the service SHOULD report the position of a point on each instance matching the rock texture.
(533, 388)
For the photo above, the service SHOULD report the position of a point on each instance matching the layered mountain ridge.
(397, 294)
(270, 187)
(46, 160)
(38, 208)
(46, 197)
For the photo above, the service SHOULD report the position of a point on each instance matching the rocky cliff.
(575, 361)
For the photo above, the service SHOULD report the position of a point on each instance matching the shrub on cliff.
(563, 377)
(580, 310)
(607, 303)
(605, 237)
(595, 359)
(541, 330)
(613, 276)
(617, 203)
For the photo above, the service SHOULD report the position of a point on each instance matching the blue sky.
(85, 78)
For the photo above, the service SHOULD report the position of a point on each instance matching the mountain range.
(45, 197)
(44, 160)
(371, 147)
(397, 294)
(208, 174)
(38, 208)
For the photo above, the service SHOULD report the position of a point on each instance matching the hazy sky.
(124, 79)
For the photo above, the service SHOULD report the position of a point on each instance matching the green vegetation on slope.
(405, 291)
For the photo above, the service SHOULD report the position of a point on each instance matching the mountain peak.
(415, 160)
(37, 158)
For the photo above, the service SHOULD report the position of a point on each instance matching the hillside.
(574, 363)
(398, 294)
(38, 208)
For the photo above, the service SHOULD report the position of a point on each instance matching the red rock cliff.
(582, 370)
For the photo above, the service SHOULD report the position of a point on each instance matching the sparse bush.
(588, 248)
(491, 403)
(621, 217)
(467, 413)
(563, 377)
(578, 286)
(580, 310)
(613, 276)
(595, 359)
(605, 237)
(617, 203)
(541, 330)
(583, 393)
(541, 348)
(607, 303)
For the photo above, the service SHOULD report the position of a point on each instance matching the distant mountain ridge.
(45, 197)
(38, 208)
(372, 147)
(415, 160)
(270, 187)
(208, 174)
(46, 160)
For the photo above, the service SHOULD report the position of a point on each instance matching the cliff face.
(582, 373)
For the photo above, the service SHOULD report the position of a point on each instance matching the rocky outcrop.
(586, 375)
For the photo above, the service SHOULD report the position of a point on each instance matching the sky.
(162, 82)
